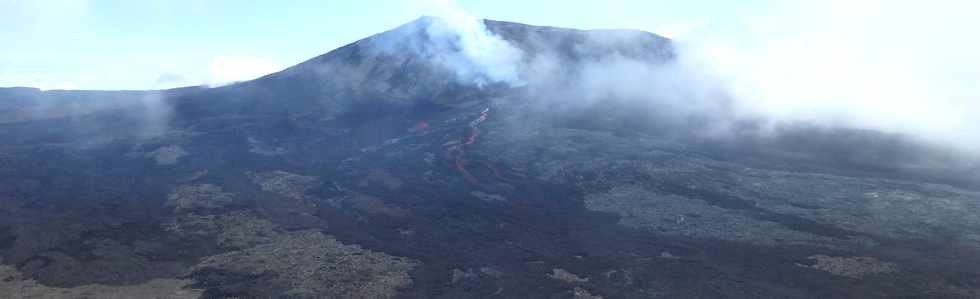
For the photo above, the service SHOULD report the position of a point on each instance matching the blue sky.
(117, 44)
(896, 65)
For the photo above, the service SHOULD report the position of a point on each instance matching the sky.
(118, 44)
(900, 65)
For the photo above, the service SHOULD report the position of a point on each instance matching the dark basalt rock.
(7, 238)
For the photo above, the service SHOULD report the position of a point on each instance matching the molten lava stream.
(456, 151)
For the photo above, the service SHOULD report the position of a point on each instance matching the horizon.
(188, 43)
(836, 63)
(420, 17)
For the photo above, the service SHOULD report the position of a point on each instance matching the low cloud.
(895, 66)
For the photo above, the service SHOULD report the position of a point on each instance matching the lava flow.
(455, 152)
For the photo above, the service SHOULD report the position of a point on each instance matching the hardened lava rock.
(289, 185)
(168, 155)
(310, 264)
(853, 267)
(13, 284)
(198, 197)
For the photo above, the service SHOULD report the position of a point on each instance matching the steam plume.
(475, 54)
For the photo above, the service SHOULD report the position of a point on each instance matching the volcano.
(418, 163)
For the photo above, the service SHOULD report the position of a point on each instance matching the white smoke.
(901, 67)
(156, 114)
(483, 56)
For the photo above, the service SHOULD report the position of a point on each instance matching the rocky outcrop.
(198, 197)
(487, 197)
(678, 215)
(304, 264)
(889, 208)
(234, 230)
(168, 155)
(581, 293)
(283, 183)
(852, 267)
(311, 264)
(14, 285)
(564, 275)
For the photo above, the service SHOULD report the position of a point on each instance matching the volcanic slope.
(380, 169)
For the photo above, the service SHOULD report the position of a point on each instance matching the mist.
(88, 117)
(897, 67)
(894, 67)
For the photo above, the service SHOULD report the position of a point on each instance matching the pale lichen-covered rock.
(488, 197)
(890, 208)
(285, 184)
(198, 197)
(564, 275)
(678, 215)
(13, 284)
(237, 230)
(167, 155)
(305, 264)
(456, 276)
(853, 267)
(311, 264)
(580, 293)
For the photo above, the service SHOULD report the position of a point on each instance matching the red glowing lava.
(455, 151)
(422, 125)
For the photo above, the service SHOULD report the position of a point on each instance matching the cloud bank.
(903, 67)
(896, 66)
